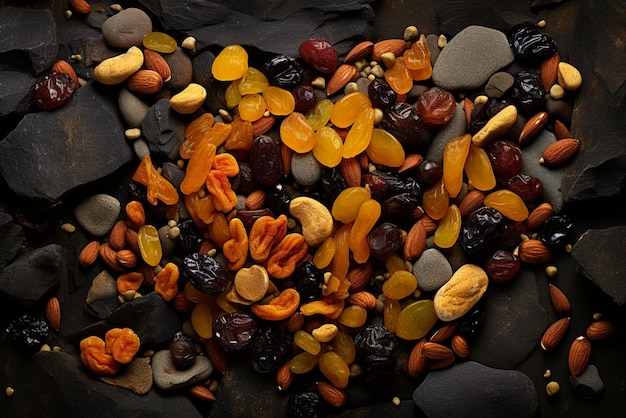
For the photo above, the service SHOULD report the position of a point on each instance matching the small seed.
(597, 316)
(557, 92)
(551, 271)
(442, 41)
(76, 57)
(180, 164)
(56, 348)
(68, 14)
(189, 43)
(378, 71)
(213, 386)
(552, 388)
(82, 82)
(568, 248)
(396, 401)
(129, 295)
(371, 77)
(388, 59)
(137, 295)
(121, 298)
(116, 7)
(148, 353)
(9, 391)
(132, 133)
(45, 347)
(225, 115)
(411, 33)
(481, 99)
(171, 223)
(174, 232)
(547, 373)
(212, 252)
(355, 370)
(319, 83)
(541, 24)
(351, 87)
(67, 227)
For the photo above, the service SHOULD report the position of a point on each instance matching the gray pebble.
(498, 84)
(133, 109)
(241, 202)
(168, 244)
(305, 168)
(182, 69)
(432, 41)
(97, 214)
(551, 177)
(587, 385)
(432, 270)
(168, 377)
(141, 148)
(363, 84)
(455, 127)
(102, 286)
(415, 92)
(126, 28)
(471, 57)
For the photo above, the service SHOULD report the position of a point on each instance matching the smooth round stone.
(97, 214)
(133, 109)
(136, 376)
(455, 127)
(182, 69)
(305, 168)
(126, 28)
(141, 148)
(471, 57)
(498, 84)
(432, 41)
(470, 389)
(102, 286)
(168, 377)
(432, 270)
(464, 289)
(168, 244)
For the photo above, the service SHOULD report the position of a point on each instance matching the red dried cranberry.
(319, 54)
(502, 266)
(436, 106)
(505, 156)
(53, 90)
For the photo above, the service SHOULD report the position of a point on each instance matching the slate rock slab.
(471, 389)
(589, 384)
(601, 256)
(15, 92)
(167, 377)
(163, 129)
(51, 153)
(13, 239)
(513, 325)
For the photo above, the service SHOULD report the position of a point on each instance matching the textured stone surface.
(163, 129)
(98, 213)
(15, 92)
(13, 239)
(168, 377)
(126, 28)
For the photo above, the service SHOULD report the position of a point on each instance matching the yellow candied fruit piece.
(391, 312)
(367, 216)
(346, 206)
(334, 369)
(454, 155)
(400, 285)
(252, 82)
(346, 110)
(280, 102)
(251, 107)
(230, 64)
(360, 134)
(159, 42)
(435, 200)
(296, 133)
(202, 320)
(416, 319)
(398, 77)
(385, 149)
(150, 245)
(478, 169)
(232, 95)
(508, 204)
(325, 253)
(328, 147)
(449, 227)
(319, 116)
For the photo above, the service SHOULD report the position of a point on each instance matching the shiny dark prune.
(482, 112)
(235, 331)
(404, 122)
(190, 237)
(502, 266)
(384, 240)
(182, 350)
(308, 280)
(205, 273)
(271, 348)
(277, 199)
(305, 98)
(531, 45)
(375, 347)
(376, 184)
(303, 405)
(266, 160)
(481, 230)
(397, 185)
(511, 235)
(283, 71)
(470, 323)
(527, 187)
(398, 208)
(54, 90)
(527, 92)
(381, 94)
(429, 173)
(505, 156)
(332, 183)
(556, 231)
(29, 333)
(247, 182)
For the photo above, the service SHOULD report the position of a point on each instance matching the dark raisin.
(470, 323)
(376, 184)
(429, 173)
(277, 199)
(482, 112)
(303, 405)
(384, 240)
(182, 350)
(190, 237)
(556, 231)
(528, 93)
(404, 122)
(266, 160)
(531, 45)
(308, 280)
(305, 98)
(381, 94)
(283, 71)
(271, 348)
(527, 187)
(205, 273)
(54, 90)
(506, 157)
(375, 347)
(502, 266)
(396, 208)
(29, 333)
(481, 230)
(234, 331)
(247, 181)
(332, 183)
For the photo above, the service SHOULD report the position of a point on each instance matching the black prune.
(303, 405)
(404, 122)
(277, 199)
(308, 279)
(375, 347)
(530, 45)
(527, 92)
(182, 350)
(205, 273)
(332, 183)
(470, 323)
(283, 71)
(190, 237)
(235, 331)
(381, 94)
(429, 173)
(481, 230)
(271, 348)
(29, 333)
(266, 160)
(556, 231)
(384, 240)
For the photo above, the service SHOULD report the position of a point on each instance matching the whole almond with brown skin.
(417, 363)
(117, 237)
(559, 300)
(217, 355)
(601, 330)
(155, 62)
(395, 46)
(360, 51)
(533, 251)
(53, 313)
(256, 200)
(539, 215)
(295, 322)
(284, 377)
(145, 82)
(415, 243)
(579, 354)
(554, 334)
(559, 152)
(442, 363)
(334, 396)
(132, 240)
(444, 333)
(471, 201)
(344, 74)
(560, 130)
(127, 259)
(80, 6)
(350, 170)
(180, 303)
(109, 256)
(66, 68)
(285, 154)
(436, 351)
(533, 127)
(460, 346)
(261, 126)
(363, 299)
(549, 70)
(360, 276)
(148, 274)
(411, 162)
(429, 224)
(468, 107)
(201, 393)
(89, 254)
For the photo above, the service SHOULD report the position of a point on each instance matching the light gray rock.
(126, 28)
(588, 385)
(498, 84)
(132, 108)
(142, 149)
(97, 214)
(550, 177)
(168, 377)
(305, 168)
(432, 270)
(471, 57)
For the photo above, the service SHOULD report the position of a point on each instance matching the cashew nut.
(315, 218)
(116, 69)
(496, 127)
(325, 333)
(189, 100)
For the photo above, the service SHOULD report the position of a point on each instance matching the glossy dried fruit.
(235, 331)
(436, 106)
(53, 90)
(319, 54)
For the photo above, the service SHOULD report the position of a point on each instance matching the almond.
(132, 240)
(342, 76)
(533, 251)
(394, 46)
(363, 159)
(601, 330)
(117, 237)
(579, 354)
(533, 127)
(295, 322)
(256, 200)
(548, 71)
(444, 333)
(284, 377)
(66, 68)
(560, 130)
(350, 170)
(145, 82)
(334, 396)
(109, 256)
(363, 299)
(411, 162)
(53, 313)
(89, 254)
(361, 276)
(415, 243)
(468, 107)
(559, 300)
(155, 62)
(126, 259)
(217, 355)
(80, 6)
(180, 303)
(460, 346)
(417, 361)
(148, 274)
(539, 215)
(286, 153)
(360, 51)
(441, 363)
(554, 334)
(471, 201)
(201, 393)
(261, 126)
(436, 351)
(559, 152)
(429, 224)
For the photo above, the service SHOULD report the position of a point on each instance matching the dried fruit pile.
(313, 267)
